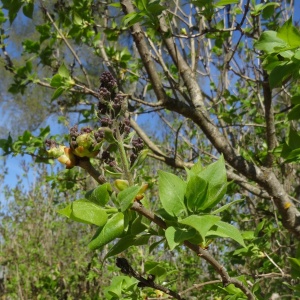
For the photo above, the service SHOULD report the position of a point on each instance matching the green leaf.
(296, 55)
(215, 175)
(261, 6)
(289, 33)
(85, 212)
(131, 19)
(111, 230)
(155, 268)
(100, 195)
(127, 196)
(123, 244)
(63, 71)
(294, 114)
(294, 139)
(224, 207)
(175, 236)
(226, 2)
(118, 5)
(197, 168)
(295, 267)
(126, 242)
(13, 7)
(270, 42)
(295, 99)
(282, 72)
(57, 93)
(201, 223)
(28, 10)
(196, 192)
(223, 229)
(31, 46)
(140, 159)
(117, 285)
(44, 131)
(56, 81)
(6, 145)
(171, 193)
(139, 225)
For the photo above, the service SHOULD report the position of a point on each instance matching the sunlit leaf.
(111, 230)
(171, 193)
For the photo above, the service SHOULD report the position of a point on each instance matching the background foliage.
(207, 84)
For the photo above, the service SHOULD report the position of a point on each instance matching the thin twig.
(67, 44)
(126, 268)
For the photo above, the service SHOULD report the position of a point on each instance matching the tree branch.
(136, 206)
(270, 121)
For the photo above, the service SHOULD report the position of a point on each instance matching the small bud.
(121, 184)
(141, 192)
(183, 31)
(144, 188)
(139, 197)
(68, 158)
(56, 152)
(109, 135)
(86, 145)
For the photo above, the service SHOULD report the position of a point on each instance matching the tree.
(220, 79)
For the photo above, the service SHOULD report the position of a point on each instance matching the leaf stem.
(123, 156)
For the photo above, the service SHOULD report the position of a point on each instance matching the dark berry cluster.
(49, 144)
(108, 159)
(105, 94)
(85, 130)
(108, 81)
(99, 135)
(106, 122)
(74, 133)
(117, 102)
(109, 101)
(125, 126)
(102, 108)
(138, 145)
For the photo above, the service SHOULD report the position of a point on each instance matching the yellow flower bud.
(121, 184)
(68, 158)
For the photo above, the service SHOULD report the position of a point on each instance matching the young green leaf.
(215, 175)
(197, 168)
(295, 267)
(171, 193)
(289, 33)
(119, 283)
(224, 207)
(201, 223)
(111, 230)
(63, 71)
(56, 81)
(225, 2)
(270, 42)
(122, 244)
(127, 196)
(155, 268)
(99, 195)
(223, 229)
(196, 192)
(85, 212)
(175, 236)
